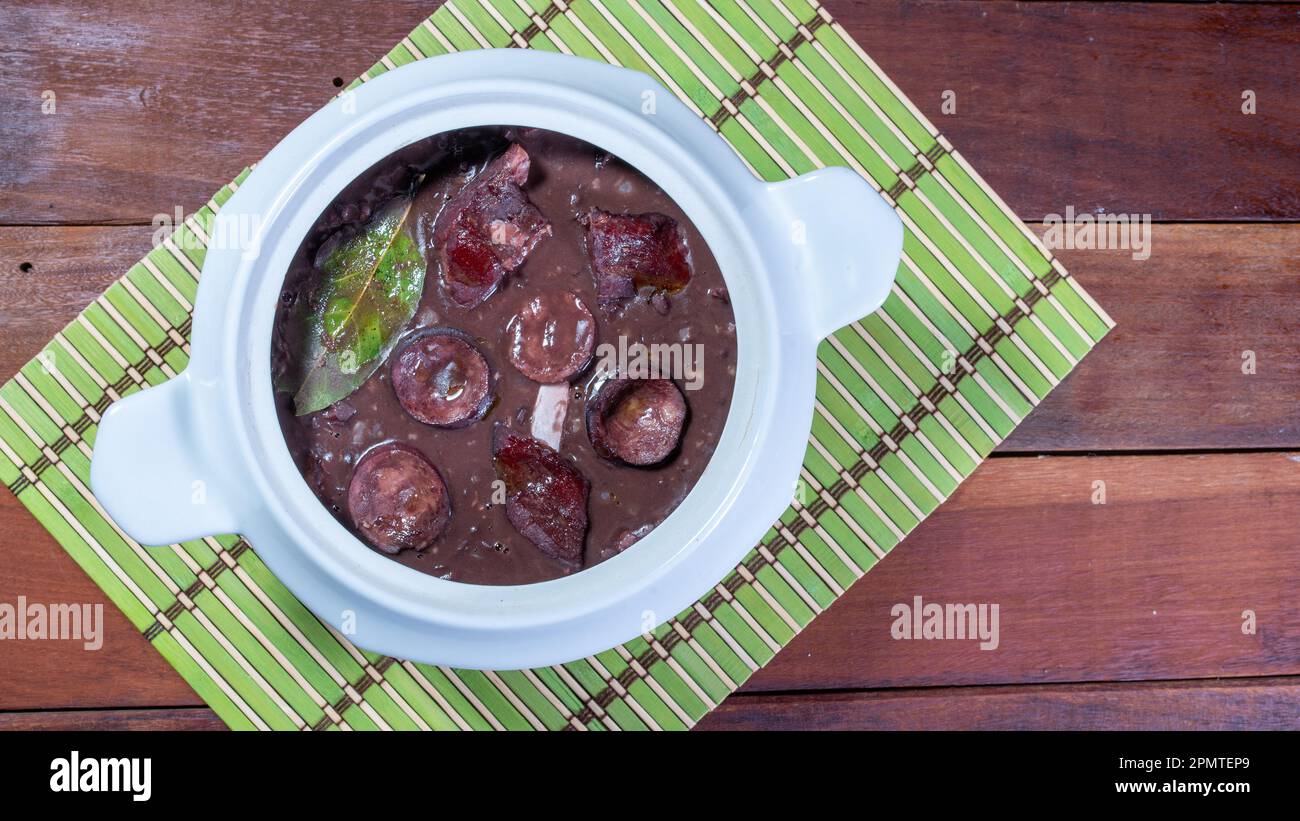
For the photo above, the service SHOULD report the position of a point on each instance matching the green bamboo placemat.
(981, 323)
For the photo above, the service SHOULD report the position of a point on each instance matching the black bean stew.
(480, 425)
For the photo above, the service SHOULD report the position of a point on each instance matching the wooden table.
(1127, 614)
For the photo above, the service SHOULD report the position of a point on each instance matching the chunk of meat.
(636, 421)
(471, 270)
(552, 337)
(627, 538)
(488, 229)
(441, 378)
(546, 496)
(624, 539)
(630, 251)
(397, 499)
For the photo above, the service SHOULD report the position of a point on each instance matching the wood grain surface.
(1123, 614)
(1150, 585)
(1263, 703)
(1214, 705)
(1127, 108)
(164, 718)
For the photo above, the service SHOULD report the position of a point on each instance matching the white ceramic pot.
(801, 258)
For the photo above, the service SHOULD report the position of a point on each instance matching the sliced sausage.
(441, 378)
(552, 337)
(397, 499)
(546, 496)
(636, 421)
(629, 251)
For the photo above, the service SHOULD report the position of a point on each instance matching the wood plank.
(159, 105)
(1243, 704)
(1248, 704)
(1114, 106)
(192, 718)
(1168, 377)
(1150, 585)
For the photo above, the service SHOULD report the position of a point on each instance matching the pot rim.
(656, 149)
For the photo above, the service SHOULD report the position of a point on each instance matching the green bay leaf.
(370, 285)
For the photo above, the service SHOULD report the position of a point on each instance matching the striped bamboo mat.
(981, 323)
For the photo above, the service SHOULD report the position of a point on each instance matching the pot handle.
(149, 472)
(847, 244)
